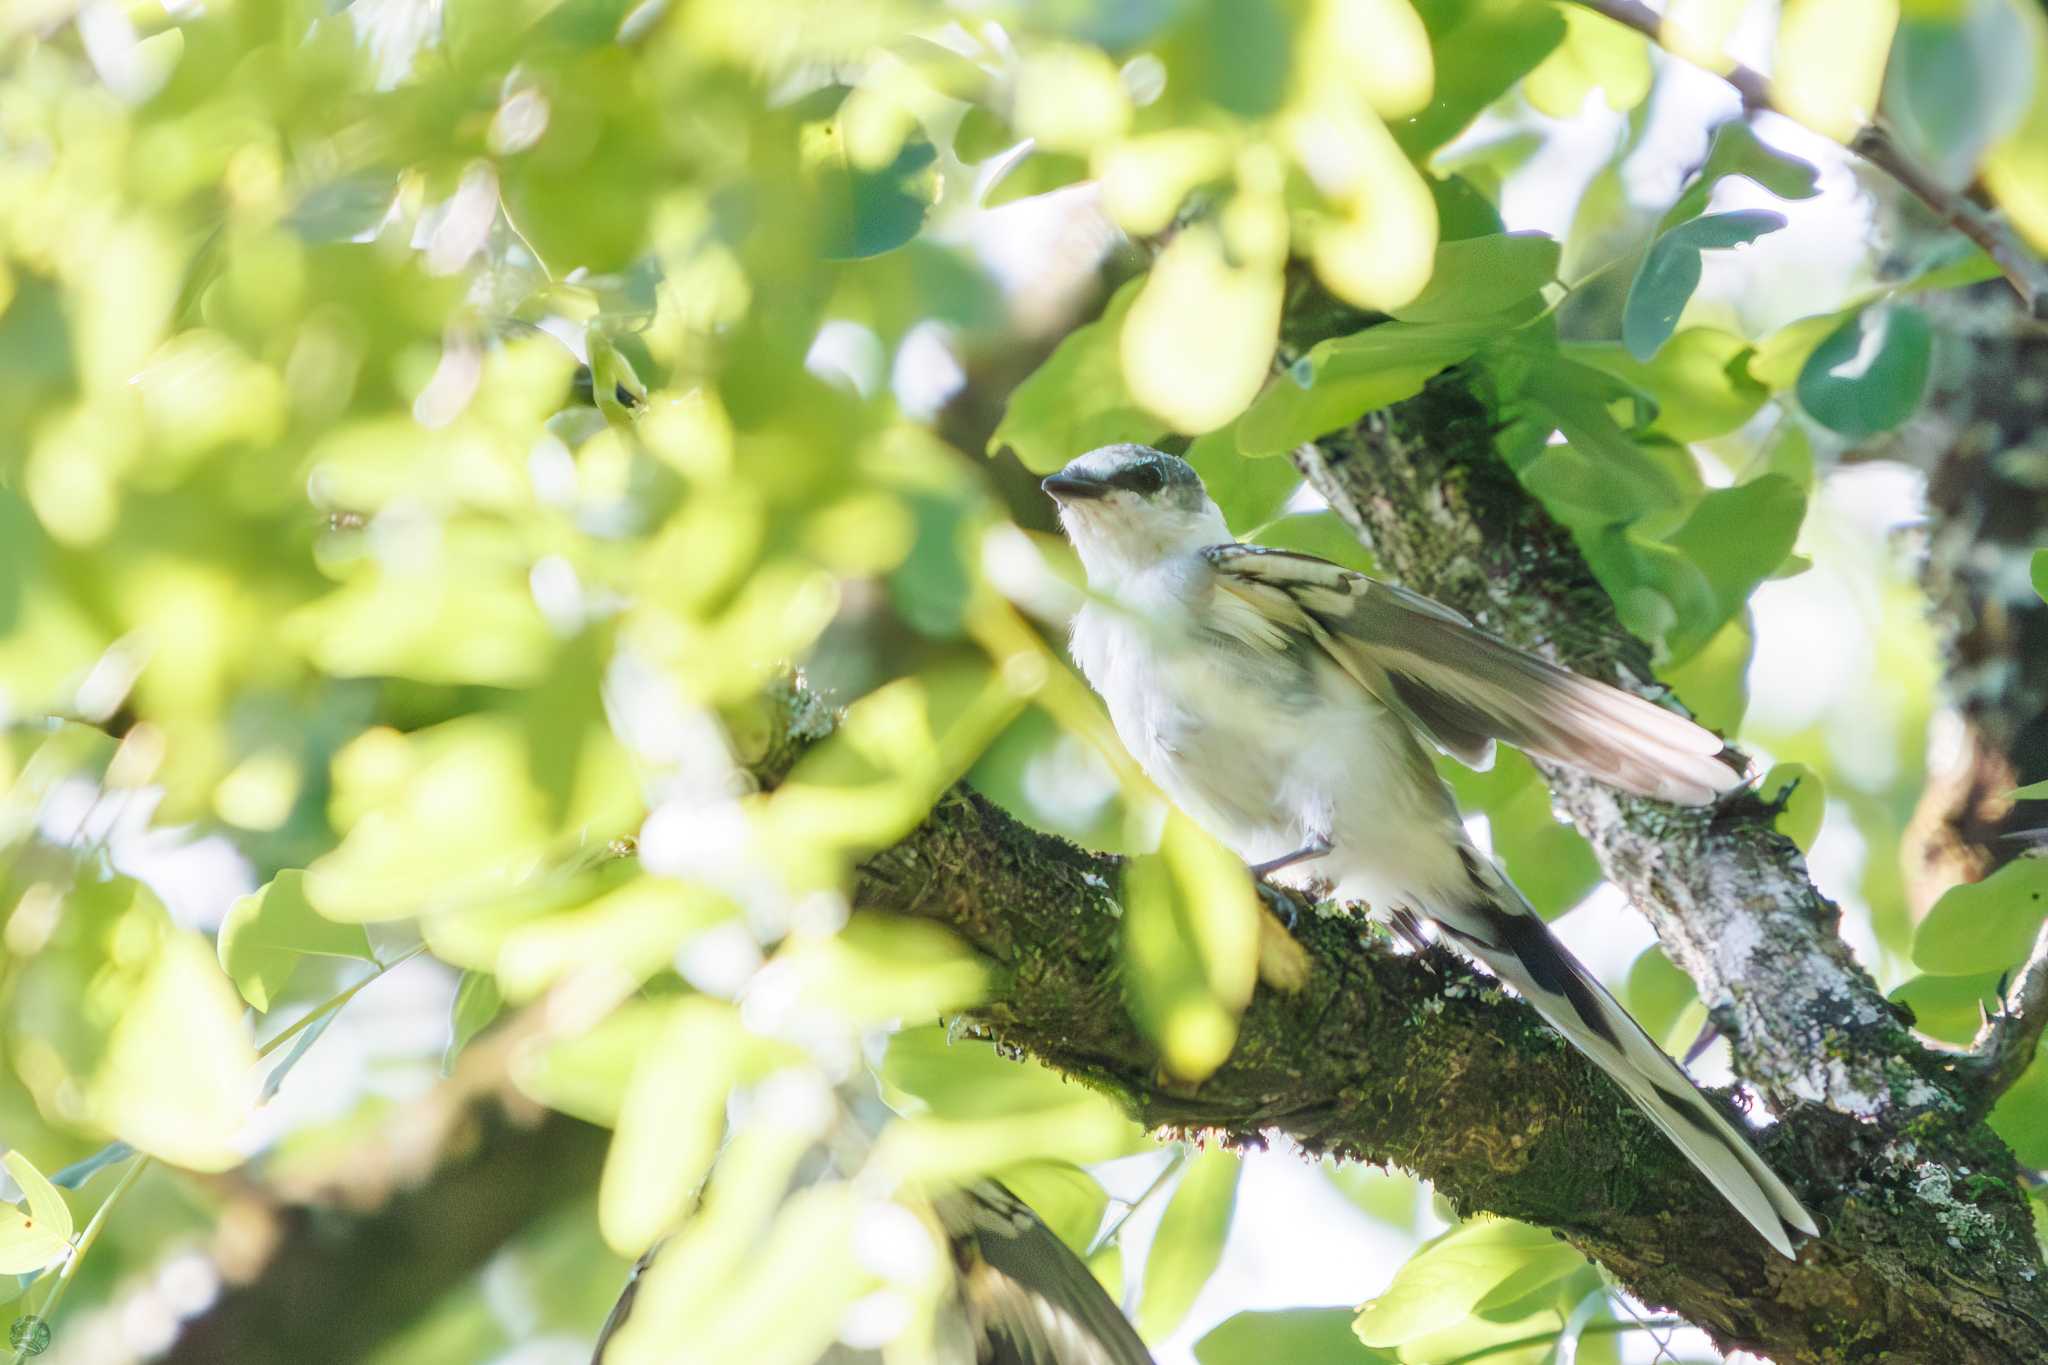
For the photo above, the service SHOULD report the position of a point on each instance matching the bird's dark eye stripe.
(1140, 478)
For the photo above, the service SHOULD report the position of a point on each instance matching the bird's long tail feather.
(1496, 926)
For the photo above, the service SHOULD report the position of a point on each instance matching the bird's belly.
(1266, 761)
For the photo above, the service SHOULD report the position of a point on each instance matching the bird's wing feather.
(1464, 689)
(1029, 1299)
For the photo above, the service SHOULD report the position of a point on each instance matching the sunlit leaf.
(1380, 44)
(1829, 62)
(266, 934)
(1320, 1335)
(1190, 933)
(1869, 374)
(1700, 378)
(177, 1078)
(1482, 49)
(1377, 248)
(1951, 1008)
(1956, 84)
(2015, 169)
(1198, 340)
(1597, 54)
(476, 1004)
(41, 1236)
(1984, 926)
(1698, 30)
(1066, 1199)
(1250, 492)
(1660, 996)
(973, 1111)
(1451, 1276)
(1482, 277)
(2021, 1116)
(671, 1118)
(1805, 800)
(1342, 379)
(1671, 269)
(1189, 1243)
(1323, 534)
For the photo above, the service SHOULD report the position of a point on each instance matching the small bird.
(1286, 704)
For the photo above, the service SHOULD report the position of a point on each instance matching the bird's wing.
(1029, 1299)
(1464, 689)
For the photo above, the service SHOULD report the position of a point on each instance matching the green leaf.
(2021, 1115)
(2038, 571)
(1806, 802)
(1077, 400)
(1190, 946)
(1783, 354)
(1659, 995)
(1342, 379)
(867, 212)
(477, 1003)
(1954, 85)
(1250, 492)
(1446, 1280)
(1482, 48)
(1984, 926)
(1950, 1008)
(671, 1119)
(1310, 1336)
(41, 1236)
(1485, 277)
(1700, 380)
(1737, 537)
(1869, 374)
(1189, 1242)
(1671, 269)
(2033, 791)
(1323, 534)
(267, 933)
(1736, 150)
(1597, 54)
(176, 1081)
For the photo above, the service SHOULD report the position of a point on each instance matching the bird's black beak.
(1074, 488)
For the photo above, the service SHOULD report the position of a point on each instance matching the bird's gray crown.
(1152, 475)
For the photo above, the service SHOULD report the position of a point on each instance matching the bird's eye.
(1143, 479)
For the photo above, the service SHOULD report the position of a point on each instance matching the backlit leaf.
(1189, 1242)
(1342, 379)
(1322, 1336)
(177, 1079)
(40, 1236)
(1451, 1276)
(267, 933)
(1829, 62)
(1597, 54)
(1198, 341)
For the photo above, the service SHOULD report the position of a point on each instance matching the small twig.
(1108, 1235)
(2022, 269)
(2005, 1046)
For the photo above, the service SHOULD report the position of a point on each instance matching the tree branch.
(2022, 269)
(1428, 1066)
(2006, 1046)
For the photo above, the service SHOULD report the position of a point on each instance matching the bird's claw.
(1283, 906)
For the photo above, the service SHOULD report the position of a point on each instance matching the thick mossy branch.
(1426, 1065)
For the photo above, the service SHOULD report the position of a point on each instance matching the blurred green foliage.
(434, 427)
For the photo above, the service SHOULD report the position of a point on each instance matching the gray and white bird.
(1286, 704)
